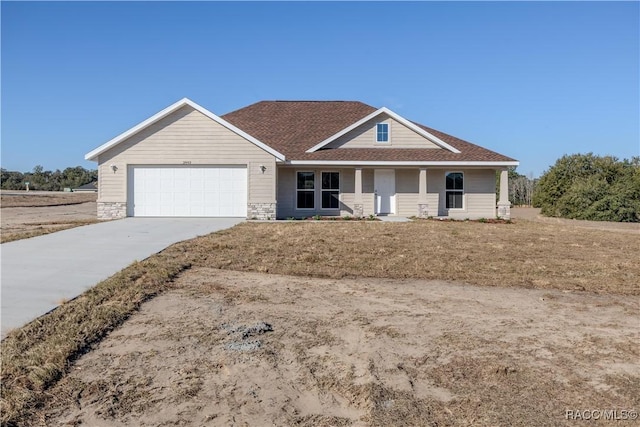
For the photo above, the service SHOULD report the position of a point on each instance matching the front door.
(384, 181)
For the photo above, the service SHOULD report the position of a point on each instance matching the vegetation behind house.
(590, 187)
(39, 179)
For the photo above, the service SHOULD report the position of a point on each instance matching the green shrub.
(589, 187)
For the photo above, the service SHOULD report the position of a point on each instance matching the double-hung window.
(382, 132)
(330, 190)
(454, 190)
(305, 197)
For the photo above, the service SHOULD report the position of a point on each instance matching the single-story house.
(91, 187)
(283, 159)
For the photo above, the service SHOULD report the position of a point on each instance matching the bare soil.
(231, 348)
(367, 332)
(29, 214)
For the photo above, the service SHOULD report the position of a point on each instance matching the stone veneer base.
(263, 211)
(358, 210)
(423, 210)
(504, 211)
(112, 210)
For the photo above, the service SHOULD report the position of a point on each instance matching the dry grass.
(42, 228)
(31, 199)
(523, 254)
(37, 355)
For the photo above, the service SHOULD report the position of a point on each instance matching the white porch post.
(358, 207)
(504, 205)
(423, 204)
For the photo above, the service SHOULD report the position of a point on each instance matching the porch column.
(358, 207)
(504, 205)
(423, 204)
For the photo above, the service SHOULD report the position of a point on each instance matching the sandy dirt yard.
(37, 212)
(247, 349)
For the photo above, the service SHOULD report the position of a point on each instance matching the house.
(91, 187)
(281, 159)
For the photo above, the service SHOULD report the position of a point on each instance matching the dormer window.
(382, 132)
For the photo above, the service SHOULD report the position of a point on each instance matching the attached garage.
(187, 191)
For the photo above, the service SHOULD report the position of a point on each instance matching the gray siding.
(479, 193)
(186, 137)
(407, 191)
(364, 136)
(479, 196)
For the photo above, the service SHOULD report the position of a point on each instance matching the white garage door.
(187, 191)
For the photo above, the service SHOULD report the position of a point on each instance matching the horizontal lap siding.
(186, 136)
(287, 193)
(479, 193)
(364, 136)
(407, 191)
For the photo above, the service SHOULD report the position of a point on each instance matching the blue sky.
(532, 81)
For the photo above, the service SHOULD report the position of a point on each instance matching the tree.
(520, 187)
(585, 186)
(39, 179)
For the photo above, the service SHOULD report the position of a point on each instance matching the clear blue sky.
(532, 81)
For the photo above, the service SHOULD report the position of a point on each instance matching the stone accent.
(504, 210)
(358, 210)
(112, 210)
(423, 210)
(262, 211)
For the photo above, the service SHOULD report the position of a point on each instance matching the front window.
(330, 190)
(454, 190)
(382, 132)
(305, 190)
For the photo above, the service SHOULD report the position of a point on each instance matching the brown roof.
(292, 127)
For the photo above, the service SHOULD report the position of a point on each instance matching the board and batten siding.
(186, 137)
(364, 136)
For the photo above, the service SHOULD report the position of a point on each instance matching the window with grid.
(382, 132)
(305, 190)
(454, 190)
(330, 190)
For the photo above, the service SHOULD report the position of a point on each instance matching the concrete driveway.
(40, 272)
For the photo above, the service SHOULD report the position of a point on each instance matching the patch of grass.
(44, 228)
(38, 199)
(37, 355)
(525, 254)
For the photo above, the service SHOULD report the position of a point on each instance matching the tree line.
(590, 187)
(42, 180)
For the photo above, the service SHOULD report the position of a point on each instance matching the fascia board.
(165, 112)
(400, 163)
(396, 117)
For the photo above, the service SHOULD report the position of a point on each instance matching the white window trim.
(388, 141)
(339, 189)
(315, 185)
(464, 199)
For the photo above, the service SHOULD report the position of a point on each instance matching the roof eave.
(396, 117)
(93, 155)
(474, 163)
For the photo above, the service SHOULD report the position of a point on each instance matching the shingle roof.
(293, 127)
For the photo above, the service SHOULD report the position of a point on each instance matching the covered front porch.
(451, 192)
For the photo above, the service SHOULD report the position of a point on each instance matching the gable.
(364, 136)
(183, 103)
(184, 135)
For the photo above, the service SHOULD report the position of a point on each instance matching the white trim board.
(356, 163)
(170, 109)
(396, 117)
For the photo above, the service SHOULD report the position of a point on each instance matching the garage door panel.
(188, 191)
